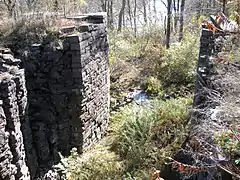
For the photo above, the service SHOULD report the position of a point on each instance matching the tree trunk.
(176, 15)
(144, 11)
(155, 10)
(149, 10)
(64, 10)
(135, 17)
(129, 13)
(169, 14)
(110, 14)
(181, 21)
(10, 4)
(120, 17)
(123, 18)
(154, 7)
(224, 6)
(104, 5)
(165, 25)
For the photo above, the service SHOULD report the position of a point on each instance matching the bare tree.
(149, 10)
(224, 3)
(104, 5)
(224, 6)
(107, 6)
(144, 11)
(30, 4)
(135, 17)
(154, 8)
(10, 5)
(123, 16)
(176, 14)
(120, 17)
(129, 12)
(169, 15)
(181, 20)
(110, 14)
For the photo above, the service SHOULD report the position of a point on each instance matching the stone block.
(68, 29)
(75, 39)
(75, 46)
(86, 27)
(206, 33)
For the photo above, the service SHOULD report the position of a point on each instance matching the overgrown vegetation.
(229, 138)
(140, 138)
(145, 62)
(149, 134)
(229, 141)
(100, 163)
(21, 35)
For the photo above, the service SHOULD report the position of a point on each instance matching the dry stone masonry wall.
(90, 76)
(13, 102)
(66, 103)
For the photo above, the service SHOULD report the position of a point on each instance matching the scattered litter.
(220, 23)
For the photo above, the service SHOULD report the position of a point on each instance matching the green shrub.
(157, 69)
(229, 142)
(122, 46)
(153, 86)
(98, 165)
(176, 65)
(139, 139)
(150, 132)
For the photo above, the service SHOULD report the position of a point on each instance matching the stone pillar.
(203, 67)
(90, 72)
(68, 89)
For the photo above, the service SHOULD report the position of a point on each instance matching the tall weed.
(125, 45)
(175, 65)
(97, 164)
(144, 137)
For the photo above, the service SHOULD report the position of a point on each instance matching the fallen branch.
(228, 171)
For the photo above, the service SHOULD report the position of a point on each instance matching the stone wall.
(204, 66)
(90, 76)
(67, 82)
(14, 127)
